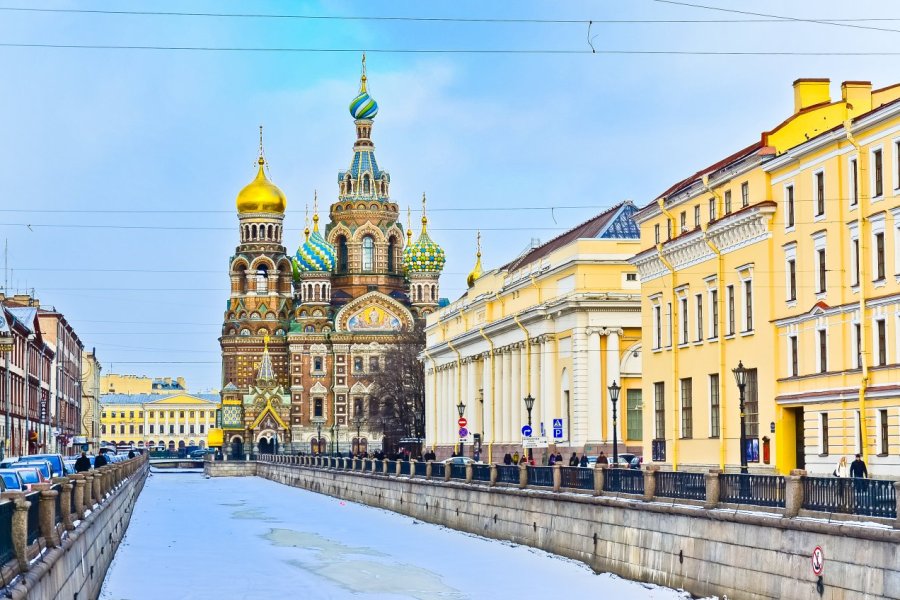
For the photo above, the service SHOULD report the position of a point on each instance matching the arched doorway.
(265, 446)
(237, 447)
(317, 446)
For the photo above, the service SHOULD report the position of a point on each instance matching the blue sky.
(169, 132)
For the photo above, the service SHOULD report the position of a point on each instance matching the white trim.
(895, 164)
(856, 432)
(876, 226)
(782, 161)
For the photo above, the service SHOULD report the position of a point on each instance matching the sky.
(119, 167)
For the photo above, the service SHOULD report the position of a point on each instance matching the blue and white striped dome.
(315, 254)
(363, 106)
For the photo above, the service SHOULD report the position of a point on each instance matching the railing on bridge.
(508, 474)
(481, 472)
(421, 468)
(457, 471)
(540, 476)
(625, 481)
(681, 484)
(438, 470)
(856, 496)
(758, 490)
(576, 478)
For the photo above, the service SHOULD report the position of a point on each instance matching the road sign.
(463, 432)
(534, 442)
(557, 423)
(462, 422)
(818, 561)
(557, 429)
(526, 430)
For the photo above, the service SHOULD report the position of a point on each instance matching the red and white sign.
(462, 422)
(818, 561)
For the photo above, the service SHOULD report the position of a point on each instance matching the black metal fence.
(679, 484)
(438, 470)
(507, 474)
(379, 465)
(869, 497)
(404, 467)
(541, 476)
(6, 543)
(421, 469)
(457, 471)
(576, 478)
(758, 490)
(34, 516)
(626, 481)
(481, 472)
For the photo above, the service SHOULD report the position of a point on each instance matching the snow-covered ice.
(248, 538)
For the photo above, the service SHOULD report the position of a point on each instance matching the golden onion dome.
(477, 271)
(261, 195)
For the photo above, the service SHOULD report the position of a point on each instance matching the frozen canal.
(248, 538)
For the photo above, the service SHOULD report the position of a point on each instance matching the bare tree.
(397, 401)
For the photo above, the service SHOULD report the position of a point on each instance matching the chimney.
(181, 383)
(858, 96)
(809, 92)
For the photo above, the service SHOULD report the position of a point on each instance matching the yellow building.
(559, 323)
(751, 260)
(136, 384)
(155, 421)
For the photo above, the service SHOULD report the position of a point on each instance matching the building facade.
(59, 420)
(113, 383)
(752, 261)
(559, 324)
(304, 334)
(159, 422)
(90, 402)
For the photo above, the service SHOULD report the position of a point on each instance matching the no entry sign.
(462, 422)
(818, 561)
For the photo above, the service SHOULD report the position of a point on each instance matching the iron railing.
(508, 474)
(856, 496)
(625, 481)
(34, 516)
(379, 465)
(438, 470)
(392, 467)
(457, 471)
(679, 484)
(576, 478)
(6, 544)
(404, 467)
(758, 490)
(357, 464)
(481, 472)
(421, 469)
(541, 476)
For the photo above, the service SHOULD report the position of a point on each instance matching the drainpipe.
(861, 180)
(493, 398)
(433, 396)
(458, 378)
(720, 324)
(527, 360)
(674, 333)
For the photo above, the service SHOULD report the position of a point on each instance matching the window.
(823, 434)
(696, 216)
(728, 202)
(131, 429)
(202, 428)
(342, 254)
(657, 326)
(151, 429)
(103, 415)
(630, 276)
(181, 414)
(670, 338)
(171, 429)
(712, 209)
(730, 299)
(171, 414)
(881, 332)
(103, 429)
(683, 307)
(391, 251)
(792, 279)
(317, 407)
(368, 254)
(112, 428)
(668, 229)
(823, 351)
(374, 364)
(635, 415)
(191, 414)
(854, 262)
(357, 364)
(748, 305)
(699, 300)
(795, 367)
(883, 432)
(181, 429)
(714, 314)
(131, 414)
(715, 427)
(789, 206)
(857, 341)
(659, 401)
(745, 194)
(820, 193)
(191, 429)
(687, 417)
(683, 221)
(821, 270)
(141, 429)
(877, 173)
(656, 232)
(751, 405)
(854, 182)
(879, 256)
(317, 363)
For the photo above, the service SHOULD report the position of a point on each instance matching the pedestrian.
(552, 460)
(531, 461)
(573, 461)
(100, 460)
(559, 458)
(858, 468)
(584, 461)
(842, 470)
(83, 463)
(544, 459)
(516, 458)
(507, 459)
(523, 460)
(603, 460)
(131, 454)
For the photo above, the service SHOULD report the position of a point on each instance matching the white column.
(595, 390)
(486, 361)
(548, 403)
(474, 410)
(515, 394)
(430, 438)
(612, 374)
(500, 382)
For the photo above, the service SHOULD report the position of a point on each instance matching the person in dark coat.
(552, 460)
(131, 454)
(603, 460)
(507, 459)
(83, 463)
(100, 460)
(559, 458)
(573, 460)
(584, 461)
(858, 468)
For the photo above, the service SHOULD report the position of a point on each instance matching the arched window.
(366, 184)
(434, 293)
(391, 258)
(262, 279)
(368, 254)
(253, 232)
(342, 254)
(317, 407)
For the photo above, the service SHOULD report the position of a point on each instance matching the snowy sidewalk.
(249, 538)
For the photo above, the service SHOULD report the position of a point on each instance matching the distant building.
(137, 384)
(157, 421)
(90, 402)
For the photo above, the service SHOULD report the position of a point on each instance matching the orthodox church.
(304, 334)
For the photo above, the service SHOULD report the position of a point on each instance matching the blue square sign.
(557, 433)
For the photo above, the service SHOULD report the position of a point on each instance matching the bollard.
(47, 517)
(428, 470)
(793, 492)
(469, 472)
(557, 478)
(398, 466)
(897, 496)
(88, 492)
(712, 489)
(650, 482)
(412, 468)
(447, 471)
(493, 474)
(599, 478)
(65, 503)
(19, 531)
(384, 467)
(523, 476)
(78, 490)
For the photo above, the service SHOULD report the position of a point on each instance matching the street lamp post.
(740, 376)
(318, 423)
(614, 390)
(461, 409)
(358, 421)
(529, 404)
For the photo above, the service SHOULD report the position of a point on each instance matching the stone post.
(523, 476)
(599, 477)
(793, 492)
(712, 489)
(650, 482)
(557, 478)
(897, 496)
(88, 497)
(47, 518)
(78, 491)
(19, 531)
(428, 470)
(493, 474)
(397, 468)
(412, 467)
(96, 489)
(447, 471)
(65, 503)
(469, 472)
(384, 467)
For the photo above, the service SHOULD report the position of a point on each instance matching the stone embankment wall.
(741, 554)
(79, 543)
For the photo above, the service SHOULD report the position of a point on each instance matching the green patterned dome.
(424, 256)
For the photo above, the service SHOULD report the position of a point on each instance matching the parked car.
(199, 453)
(56, 461)
(12, 480)
(31, 476)
(41, 465)
(460, 460)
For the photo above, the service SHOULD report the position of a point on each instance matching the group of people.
(515, 459)
(856, 469)
(83, 463)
